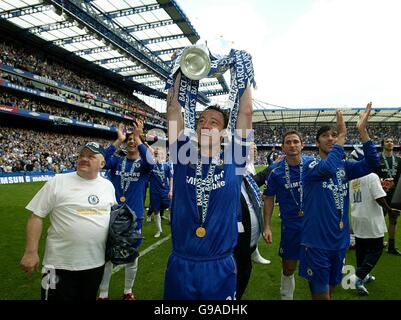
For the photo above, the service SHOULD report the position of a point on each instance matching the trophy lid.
(219, 47)
(195, 62)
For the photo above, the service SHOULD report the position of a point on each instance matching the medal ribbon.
(204, 186)
(393, 171)
(288, 182)
(160, 173)
(338, 194)
(124, 186)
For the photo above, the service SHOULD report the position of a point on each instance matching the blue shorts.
(322, 268)
(188, 279)
(290, 244)
(158, 202)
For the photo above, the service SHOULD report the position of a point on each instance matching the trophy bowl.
(195, 62)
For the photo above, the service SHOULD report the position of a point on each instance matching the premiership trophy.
(210, 59)
(206, 59)
(195, 62)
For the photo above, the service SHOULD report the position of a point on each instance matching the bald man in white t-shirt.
(79, 205)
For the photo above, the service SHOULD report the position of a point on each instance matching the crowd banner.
(28, 177)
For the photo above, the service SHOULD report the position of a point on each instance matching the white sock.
(287, 287)
(158, 221)
(104, 285)
(256, 254)
(130, 274)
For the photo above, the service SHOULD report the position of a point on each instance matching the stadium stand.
(15, 156)
(48, 78)
(270, 134)
(43, 89)
(39, 151)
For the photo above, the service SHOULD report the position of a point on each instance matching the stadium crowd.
(15, 151)
(270, 134)
(26, 83)
(71, 113)
(39, 63)
(30, 150)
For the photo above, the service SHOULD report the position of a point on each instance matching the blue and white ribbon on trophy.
(187, 95)
(241, 69)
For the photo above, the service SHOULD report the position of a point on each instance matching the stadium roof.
(133, 38)
(321, 115)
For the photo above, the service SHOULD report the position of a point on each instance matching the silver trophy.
(195, 62)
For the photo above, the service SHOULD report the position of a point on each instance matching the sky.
(311, 53)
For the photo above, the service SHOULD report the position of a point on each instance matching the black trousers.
(368, 252)
(60, 284)
(242, 254)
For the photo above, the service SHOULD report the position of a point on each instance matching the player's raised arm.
(341, 128)
(244, 121)
(362, 123)
(175, 121)
(120, 135)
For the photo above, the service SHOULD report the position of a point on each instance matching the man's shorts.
(290, 244)
(195, 279)
(321, 267)
(158, 202)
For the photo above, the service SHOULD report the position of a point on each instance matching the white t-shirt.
(79, 215)
(367, 215)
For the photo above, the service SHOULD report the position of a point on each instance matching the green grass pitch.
(263, 285)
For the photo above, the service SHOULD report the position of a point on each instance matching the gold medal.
(122, 199)
(301, 213)
(200, 232)
(341, 225)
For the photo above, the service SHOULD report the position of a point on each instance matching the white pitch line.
(142, 253)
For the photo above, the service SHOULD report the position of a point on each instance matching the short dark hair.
(287, 133)
(217, 108)
(385, 138)
(324, 129)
